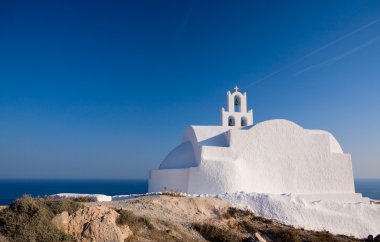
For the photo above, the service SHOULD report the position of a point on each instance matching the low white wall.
(171, 179)
(214, 177)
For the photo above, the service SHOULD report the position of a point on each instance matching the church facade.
(274, 156)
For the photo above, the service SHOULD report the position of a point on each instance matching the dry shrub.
(58, 206)
(144, 228)
(315, 236)
(280, 232)
(233, 212)
(133, 221)
(211, 232)
(80, 199)
(28, 219)
(245, 223)
(377, 238)
(84, 199)
(172, 193)
(283, 234)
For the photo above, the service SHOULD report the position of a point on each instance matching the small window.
(243, 121)
(237, 104)
(231, 121)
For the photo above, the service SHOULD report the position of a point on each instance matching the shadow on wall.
(218, 140)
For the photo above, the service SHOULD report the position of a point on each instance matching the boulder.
(61, 221)
(95, 223)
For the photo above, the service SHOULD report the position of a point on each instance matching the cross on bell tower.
(236, 114)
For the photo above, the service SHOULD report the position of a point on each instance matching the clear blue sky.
(92, 89)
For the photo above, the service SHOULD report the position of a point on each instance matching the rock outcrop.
(94, 223)
(163, 217)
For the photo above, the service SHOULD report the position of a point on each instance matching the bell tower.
(237, 114)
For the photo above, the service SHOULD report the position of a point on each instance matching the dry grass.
(133, 221)
(29, 219)
(60, 205)
(280, 232)
(249, 224)
(172, 193)
(214, 233)
(84, 199)
(80, 199)
(230, 224)
(233, 212)
(150, 229)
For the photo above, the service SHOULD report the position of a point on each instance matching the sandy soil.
(176, 208)
(171, 213)
(177, 218)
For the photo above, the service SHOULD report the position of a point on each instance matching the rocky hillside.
(169, 217)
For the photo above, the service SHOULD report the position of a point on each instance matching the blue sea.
(12, 189)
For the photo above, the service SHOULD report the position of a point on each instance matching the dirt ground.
(177, 218)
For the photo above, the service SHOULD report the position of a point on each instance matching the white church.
(275, 156)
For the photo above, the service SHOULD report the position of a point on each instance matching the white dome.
(181, 157)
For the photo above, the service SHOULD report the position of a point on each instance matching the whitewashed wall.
(276, 156)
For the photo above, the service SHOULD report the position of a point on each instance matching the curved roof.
(206, 135)
(184, 155)
(334, 144)
(181, 157)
